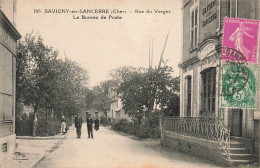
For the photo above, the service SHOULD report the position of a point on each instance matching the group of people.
(78, 124)
(90, 123)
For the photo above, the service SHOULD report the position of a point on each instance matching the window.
(188, 96)
(229, 7)
(194, 20)
(209, 90)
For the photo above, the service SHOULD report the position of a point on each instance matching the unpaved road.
(116, 150)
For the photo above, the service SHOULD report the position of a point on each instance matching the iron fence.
(206, 128)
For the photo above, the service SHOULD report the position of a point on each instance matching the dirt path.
(113, 149)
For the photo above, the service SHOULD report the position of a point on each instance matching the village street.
(114, 149)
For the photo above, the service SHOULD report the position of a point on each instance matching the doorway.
(189, 96)
(236, 128)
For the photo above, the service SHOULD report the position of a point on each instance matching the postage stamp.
(241, 35)
(239, 84)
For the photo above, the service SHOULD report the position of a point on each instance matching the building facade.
(224, 135)
(117, 112)
(200, 66)
(8, 44)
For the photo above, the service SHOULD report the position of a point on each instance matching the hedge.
(147, 129)
(24, 126)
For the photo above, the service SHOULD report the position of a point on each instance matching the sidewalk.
(31, 150)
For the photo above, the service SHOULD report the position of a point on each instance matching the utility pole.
(163, 50)
(149, 56)
(152, 55)
(155, 105)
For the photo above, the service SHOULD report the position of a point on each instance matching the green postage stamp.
(239, 84)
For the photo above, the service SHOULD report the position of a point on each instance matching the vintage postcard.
(129, 83)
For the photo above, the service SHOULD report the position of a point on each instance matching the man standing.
(78, 123)
(90, 126)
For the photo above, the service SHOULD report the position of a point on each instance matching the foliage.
(46, 81)
(103, 121)
(140, 90)
(50, 127)
(24, 126)
(148, 129)
(100, 97)
(119, 75)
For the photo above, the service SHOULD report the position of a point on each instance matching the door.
(189, 97)
(236, 129)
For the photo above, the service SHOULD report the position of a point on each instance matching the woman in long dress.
(238, 37)
(63, 125)
(96, 124)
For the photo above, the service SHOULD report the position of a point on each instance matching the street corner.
(22, 159)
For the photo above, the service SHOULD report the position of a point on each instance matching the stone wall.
(208, 150)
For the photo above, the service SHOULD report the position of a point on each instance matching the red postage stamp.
(243, 36)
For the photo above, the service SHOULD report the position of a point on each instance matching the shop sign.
(209, 13)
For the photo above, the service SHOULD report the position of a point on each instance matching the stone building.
(200, 80)
(8, 43)
(117, 112)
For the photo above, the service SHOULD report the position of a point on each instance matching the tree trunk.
(35, 122)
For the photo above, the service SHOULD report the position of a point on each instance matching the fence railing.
(206, 128)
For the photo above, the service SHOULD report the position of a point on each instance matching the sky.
(100, 45)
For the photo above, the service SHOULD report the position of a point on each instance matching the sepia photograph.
(129, 83)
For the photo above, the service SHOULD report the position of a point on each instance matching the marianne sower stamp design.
(242, 35)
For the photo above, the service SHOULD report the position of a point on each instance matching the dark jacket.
(78, 122)
(89, 122)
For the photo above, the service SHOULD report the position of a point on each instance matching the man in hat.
(90, 126)
(78, 123)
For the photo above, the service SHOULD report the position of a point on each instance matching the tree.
(100, 97)
(141, 89)
(31, 75)
(118, 76)
(46, 82)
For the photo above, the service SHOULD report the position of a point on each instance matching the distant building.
(94, 114)
(117, 112)
(8, 49)
(200, 77)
